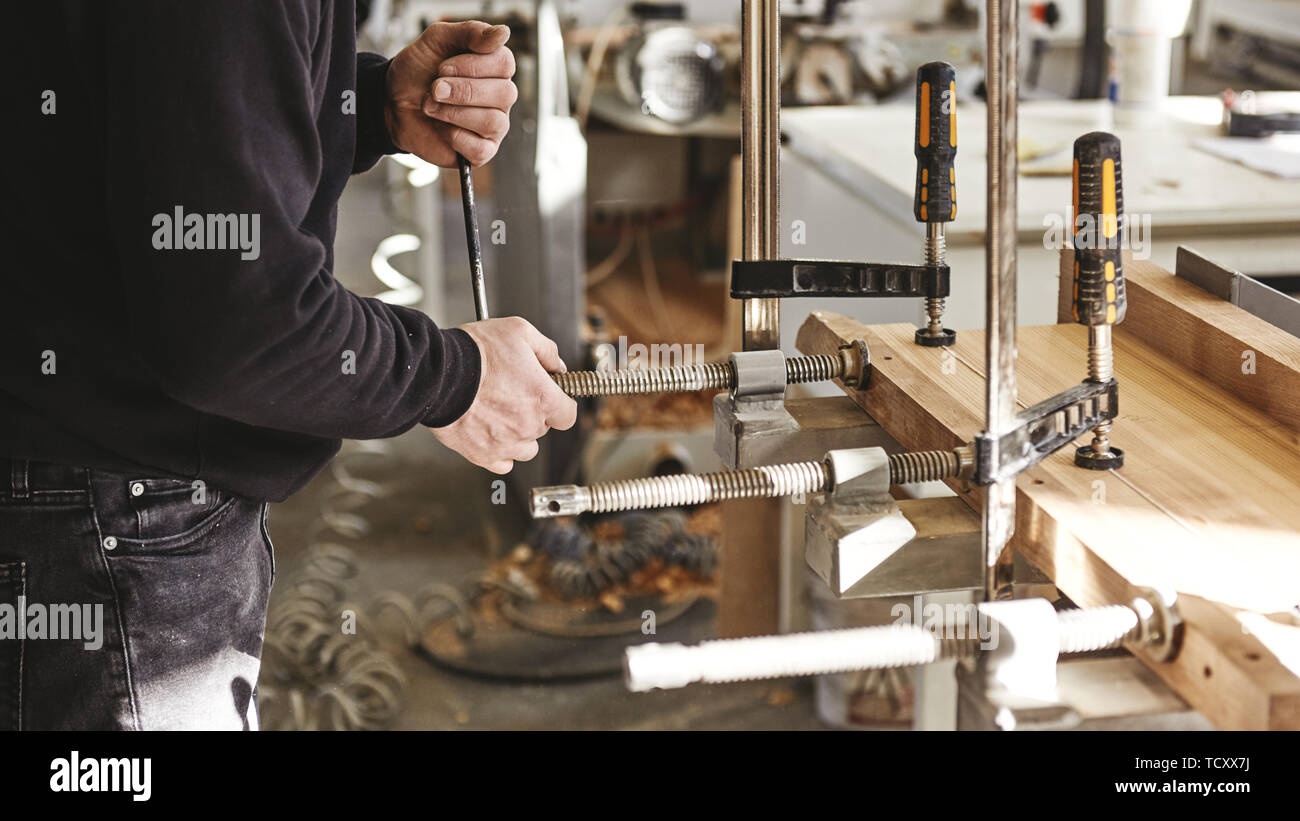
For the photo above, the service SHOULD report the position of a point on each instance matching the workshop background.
(413, 590)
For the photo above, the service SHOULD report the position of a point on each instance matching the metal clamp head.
(759, 375)
(856, 359)
(559, 500)
(1160, 623)
(942, 338)
(858, 473)
(857, 526)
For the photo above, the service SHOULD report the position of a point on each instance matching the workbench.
(848, 174)
(1206, 505)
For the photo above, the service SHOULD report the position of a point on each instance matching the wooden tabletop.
(869, 151)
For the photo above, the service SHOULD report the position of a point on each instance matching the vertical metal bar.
(475, 247)
(760, 150)
(1000, 271)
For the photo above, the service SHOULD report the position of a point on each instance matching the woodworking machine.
(853, 526)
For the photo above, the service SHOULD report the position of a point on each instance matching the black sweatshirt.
(170, 193)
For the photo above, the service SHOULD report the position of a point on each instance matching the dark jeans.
(143, 601)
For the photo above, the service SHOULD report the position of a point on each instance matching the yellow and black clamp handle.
(935, 203)
(1099, 301)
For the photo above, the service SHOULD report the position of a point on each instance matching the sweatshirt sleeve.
(372, 131)
(214, 158)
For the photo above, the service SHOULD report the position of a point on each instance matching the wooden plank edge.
(1231, 347)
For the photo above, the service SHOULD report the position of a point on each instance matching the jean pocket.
(175, 510)
(13, 590)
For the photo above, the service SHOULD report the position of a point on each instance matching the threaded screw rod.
(767, 481)
(923, 466)
(672, 665)
(1101, 368)
(1090, 629)
(710, 376)
(936, 246)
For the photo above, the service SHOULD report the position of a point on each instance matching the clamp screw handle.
(1099, 297)
(936, 143)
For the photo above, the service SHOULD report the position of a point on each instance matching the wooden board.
(1208, 502)
(1254, 360)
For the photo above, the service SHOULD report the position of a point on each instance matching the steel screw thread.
(766, 481)
(1096, 628)
(934, 308)
(802, 654)
(922, 466)
(693, 489)
(936, 248)
(1101, 363)
(706, 376)
(817, 368)
(861, 648)
(1101, 368)
(709, 376)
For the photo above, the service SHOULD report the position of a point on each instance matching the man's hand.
(450, 92)
(517, 401)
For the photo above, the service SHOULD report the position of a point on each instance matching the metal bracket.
(844, 542)
(1247, 293)
(754, 409)
(757, 279)
(760, 378)
(1043, 429)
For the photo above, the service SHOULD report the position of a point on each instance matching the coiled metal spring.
(584, 567)
(316, 675)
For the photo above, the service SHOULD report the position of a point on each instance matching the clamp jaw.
(751, 424)
(935, 205)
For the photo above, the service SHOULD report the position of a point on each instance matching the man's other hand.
(517, 401)
(450, 92)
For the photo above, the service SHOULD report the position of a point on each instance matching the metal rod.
(671, 665)
(1000, 268)
(766, 481)
(471, 237)
(707, 376)
(1101, 368)
(936, 253)
(760, 148)
(675, 490)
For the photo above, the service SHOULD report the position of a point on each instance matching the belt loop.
(18, 478)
